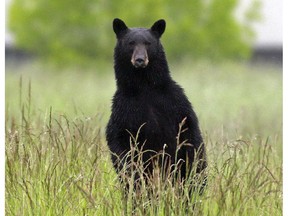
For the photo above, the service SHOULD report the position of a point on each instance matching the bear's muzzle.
(139, 57)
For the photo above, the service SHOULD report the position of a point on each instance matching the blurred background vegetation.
(68, 32)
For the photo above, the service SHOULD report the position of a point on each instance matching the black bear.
(149, 103)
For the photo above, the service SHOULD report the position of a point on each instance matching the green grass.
(58, 163)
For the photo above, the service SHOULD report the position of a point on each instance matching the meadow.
(58, 162)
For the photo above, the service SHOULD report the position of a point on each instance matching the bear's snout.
(139, 57)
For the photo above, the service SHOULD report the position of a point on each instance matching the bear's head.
(138, 45)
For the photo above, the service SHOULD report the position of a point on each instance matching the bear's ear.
(119, 27)
(159, 27)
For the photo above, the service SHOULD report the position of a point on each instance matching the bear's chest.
(157, 114)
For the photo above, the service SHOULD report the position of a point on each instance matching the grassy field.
(58, 163)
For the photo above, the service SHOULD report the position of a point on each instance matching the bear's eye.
(132, 43)
(147, 43)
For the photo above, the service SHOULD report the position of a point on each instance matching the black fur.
(148, 95)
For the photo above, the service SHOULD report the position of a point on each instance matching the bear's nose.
(139, 57)
(139, 61)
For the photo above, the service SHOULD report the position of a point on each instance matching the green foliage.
(81, 31)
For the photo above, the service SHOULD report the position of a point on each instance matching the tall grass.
(58, 163)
